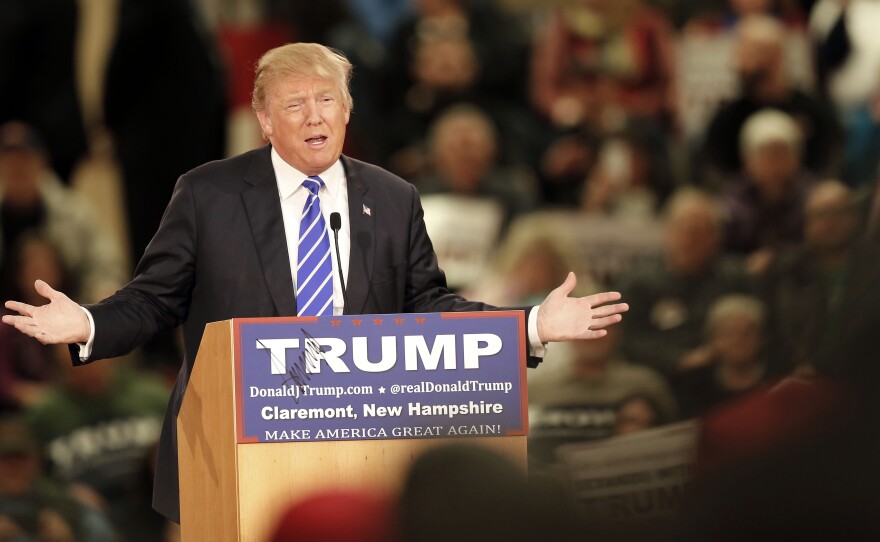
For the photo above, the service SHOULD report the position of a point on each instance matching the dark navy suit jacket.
(221, 252)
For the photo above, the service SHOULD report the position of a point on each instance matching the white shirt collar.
(290, 179)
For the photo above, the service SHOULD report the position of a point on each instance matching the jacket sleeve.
(158, 297)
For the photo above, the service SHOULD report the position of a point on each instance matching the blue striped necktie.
(314, 266)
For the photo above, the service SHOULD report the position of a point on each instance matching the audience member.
(31, 197)
(32, 508)
(765, 84)
(785, 464)
(472, 494)
(27, 367)
(463, 146)
(564, 165)
(671, 296)
(848, 51)
(599, 68)
(807, 286)
(861, 165)
(706, 51)
(148, 82)
(848, 57)
(99, 427)
(736, 330)
(630, 179)
(468, 197)
(577, 395)
(798, 461)
(452, 51)
(636, 414)
(341, 515)
(38, 76)
(161, 63)
(765, 209)
(530, 261)
(598, 62)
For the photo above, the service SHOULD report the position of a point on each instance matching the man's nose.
(313, 114)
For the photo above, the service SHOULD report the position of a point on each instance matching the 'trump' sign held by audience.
(634, 476)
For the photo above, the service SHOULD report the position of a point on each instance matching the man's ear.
(265, 123)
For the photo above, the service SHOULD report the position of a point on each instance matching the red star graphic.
(335, 323)
(378, 321)
(420, 320)
(398, 321)
(356, 322)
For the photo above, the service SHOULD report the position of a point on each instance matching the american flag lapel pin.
(367, 211)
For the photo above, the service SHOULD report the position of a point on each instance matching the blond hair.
(301, 60)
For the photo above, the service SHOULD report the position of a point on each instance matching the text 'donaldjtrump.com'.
(380, 377)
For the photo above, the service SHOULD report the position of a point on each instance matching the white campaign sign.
(464, 232)
(636, 476)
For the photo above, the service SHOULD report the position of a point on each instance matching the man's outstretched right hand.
(61, 321)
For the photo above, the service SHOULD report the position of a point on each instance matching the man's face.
(20, 173)
(831, 220)
(737, 340)
(692, 241)
(773, 166)
(635, 415)
(304, 119)
(756, 60)
(464, 152)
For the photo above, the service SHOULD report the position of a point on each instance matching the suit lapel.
(360, 261)
(267, 226)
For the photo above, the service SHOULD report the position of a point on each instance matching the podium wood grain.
(235, 492)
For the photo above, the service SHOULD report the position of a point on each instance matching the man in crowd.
(98, 427)
(247, 210)
(760, 64)
(577, 396)
(33, 198)
(808, 287)
(32, 508)
(765, 209)
(675, 292)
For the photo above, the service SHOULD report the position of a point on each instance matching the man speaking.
(248, 237)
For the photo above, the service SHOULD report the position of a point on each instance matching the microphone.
(335, 224)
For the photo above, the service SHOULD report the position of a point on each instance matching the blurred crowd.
(716, 162)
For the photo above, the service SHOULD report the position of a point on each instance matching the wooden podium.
(235, 492)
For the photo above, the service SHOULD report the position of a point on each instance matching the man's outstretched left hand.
(565, 318)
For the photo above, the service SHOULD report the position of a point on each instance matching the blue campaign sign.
(380, 376)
